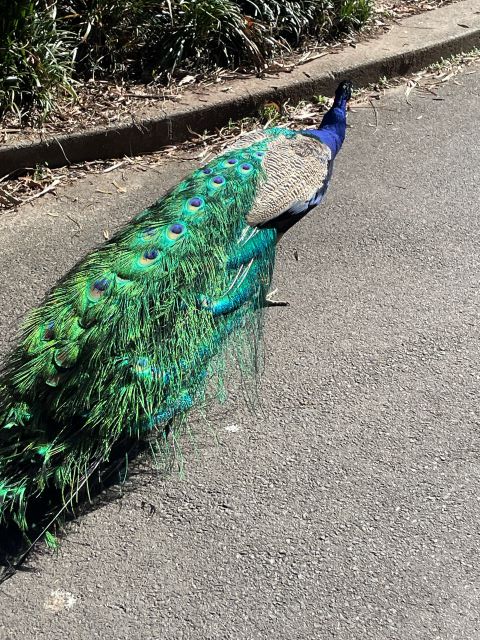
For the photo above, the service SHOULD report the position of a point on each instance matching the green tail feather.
(132, 335)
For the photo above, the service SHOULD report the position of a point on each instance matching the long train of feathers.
(131, 338)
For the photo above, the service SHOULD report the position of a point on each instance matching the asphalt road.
(348, 506)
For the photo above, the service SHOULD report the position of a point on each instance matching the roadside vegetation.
(47, 46)
(425, 84)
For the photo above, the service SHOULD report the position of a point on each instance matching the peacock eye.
(230, 162)
(65, 357)
(174, 231)
(194, 204)
(141, 364)
(97, 289)
(217, 182)
(149, 256)
(260, 154)
(48, 332)
(246, 168)
(207, 171)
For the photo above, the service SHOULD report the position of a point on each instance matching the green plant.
(323, 101)
(110, 33)
(270, 113)
(145, 38)
(351, 14)
(36, 58)
(43, 43)
(209, 32)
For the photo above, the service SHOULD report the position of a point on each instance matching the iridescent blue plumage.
(334, 124)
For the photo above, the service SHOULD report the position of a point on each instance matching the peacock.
(136, 334)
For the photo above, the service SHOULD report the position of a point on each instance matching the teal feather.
(134, 335)
(68, 393)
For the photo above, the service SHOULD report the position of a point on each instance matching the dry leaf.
(119, 188)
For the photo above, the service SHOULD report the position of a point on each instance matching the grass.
(36, 58)
(46, 44)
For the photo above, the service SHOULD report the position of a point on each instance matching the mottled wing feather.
(249, 138)
(296, 171)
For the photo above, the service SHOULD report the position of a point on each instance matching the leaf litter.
(16, 191)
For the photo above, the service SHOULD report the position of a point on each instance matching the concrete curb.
(412, 44)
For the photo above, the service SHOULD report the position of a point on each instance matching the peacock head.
(343, 93)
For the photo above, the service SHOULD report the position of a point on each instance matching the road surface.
(348, 507)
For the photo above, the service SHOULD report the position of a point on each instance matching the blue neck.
(333, 127)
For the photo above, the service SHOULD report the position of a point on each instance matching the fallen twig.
(115, 166)
(50, 187)
(376, 115)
